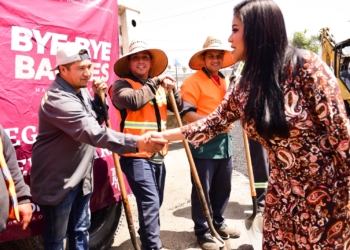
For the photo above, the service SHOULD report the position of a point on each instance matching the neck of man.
(76, 89)
(142, 77)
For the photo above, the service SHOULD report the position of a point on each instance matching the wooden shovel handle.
(249, 163)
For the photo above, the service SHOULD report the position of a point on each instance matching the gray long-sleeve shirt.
(22, 189)
(69, 131)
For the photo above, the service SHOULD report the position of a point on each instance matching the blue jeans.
(71, 216)
(146, 180)
(215, 177)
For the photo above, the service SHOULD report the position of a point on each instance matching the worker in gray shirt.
(63, 154)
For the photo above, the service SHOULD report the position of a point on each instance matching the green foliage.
(300, 40)
(184, 69)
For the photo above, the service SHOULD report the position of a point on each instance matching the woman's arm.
(168, 135)
(330, 110)
(201, 131)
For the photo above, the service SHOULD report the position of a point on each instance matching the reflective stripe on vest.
(143, 125)
(140, 121)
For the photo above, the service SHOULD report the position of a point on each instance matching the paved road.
(176, 224)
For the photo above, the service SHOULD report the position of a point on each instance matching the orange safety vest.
(143, 120)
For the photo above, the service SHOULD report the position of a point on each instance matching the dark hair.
(67, 66)
(266, 45)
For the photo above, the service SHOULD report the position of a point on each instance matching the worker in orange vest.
(140, 96)
(202, 93)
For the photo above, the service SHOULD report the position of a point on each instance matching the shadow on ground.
(176, 241)
(234, 211)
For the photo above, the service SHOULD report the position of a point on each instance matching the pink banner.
(30, 32)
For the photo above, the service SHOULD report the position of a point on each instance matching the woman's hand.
(145, 142)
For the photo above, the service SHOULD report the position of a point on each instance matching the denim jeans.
(71, 216)
(146, 180)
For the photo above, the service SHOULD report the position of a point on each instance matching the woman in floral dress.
(288, 100)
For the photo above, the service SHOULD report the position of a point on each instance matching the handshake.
(153, 141)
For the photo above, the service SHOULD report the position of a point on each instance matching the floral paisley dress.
(307, 195)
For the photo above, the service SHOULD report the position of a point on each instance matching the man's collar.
(65, 84)
(206, 72)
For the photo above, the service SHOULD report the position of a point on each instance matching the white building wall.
(128, 22)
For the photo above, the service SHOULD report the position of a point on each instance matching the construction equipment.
(337, 57)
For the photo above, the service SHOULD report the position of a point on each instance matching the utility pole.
(177, 87)
(176, 64)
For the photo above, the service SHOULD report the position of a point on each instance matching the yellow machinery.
(337, 57)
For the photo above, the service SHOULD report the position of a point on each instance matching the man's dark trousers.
(215, 176)
(146, 180)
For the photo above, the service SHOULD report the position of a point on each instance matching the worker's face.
(213, 60)
(236, 40)
(140, 64)
(78, 74)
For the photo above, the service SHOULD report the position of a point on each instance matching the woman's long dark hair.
(266, 46)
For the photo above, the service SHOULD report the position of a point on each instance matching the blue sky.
(181, 27)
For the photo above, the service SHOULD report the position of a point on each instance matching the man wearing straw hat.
(140, 98)
(202, 93)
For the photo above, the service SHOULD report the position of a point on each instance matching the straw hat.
(158, 64)
(212, 43)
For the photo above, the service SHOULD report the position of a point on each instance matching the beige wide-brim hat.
(197, 62)
(158, 64)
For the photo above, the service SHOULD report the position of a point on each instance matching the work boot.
(207, 243)
(228, 232)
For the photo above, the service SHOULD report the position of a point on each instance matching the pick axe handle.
(249, 163)
(119, 173)
(250, 174)
(195, 177)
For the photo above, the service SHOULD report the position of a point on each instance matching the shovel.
(197, 182)
(119, 173)
(254, 223)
